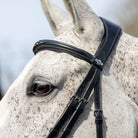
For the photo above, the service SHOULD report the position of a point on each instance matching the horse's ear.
(87, 23)
(58, 19)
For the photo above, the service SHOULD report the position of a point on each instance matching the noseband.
(91, 82)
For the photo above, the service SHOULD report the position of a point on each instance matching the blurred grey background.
(22, 23)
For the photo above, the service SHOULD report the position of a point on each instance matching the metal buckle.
(80, 99)
(77, 98)
(97, 111)
(98, 62)
(84, 100)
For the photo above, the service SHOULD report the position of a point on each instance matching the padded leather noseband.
(92, 80)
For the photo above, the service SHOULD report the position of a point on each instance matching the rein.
(79, 100)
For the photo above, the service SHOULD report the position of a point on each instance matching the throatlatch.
(92, 80)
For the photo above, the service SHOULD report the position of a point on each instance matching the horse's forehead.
(46, 58)
(50, 60)
(54, 66)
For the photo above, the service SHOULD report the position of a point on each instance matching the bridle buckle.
(98, 62)
(79, 99)
(96, 111)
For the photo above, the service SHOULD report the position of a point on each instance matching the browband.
(111, 36)
(79, 100)
(62, 47)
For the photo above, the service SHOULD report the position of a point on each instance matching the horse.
(38, 97)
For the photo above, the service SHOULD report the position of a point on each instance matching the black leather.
(111, 38)
(62, 47)
(56, 46)
(98, 113)
(78, 102)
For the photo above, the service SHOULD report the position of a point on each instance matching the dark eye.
(41, 89)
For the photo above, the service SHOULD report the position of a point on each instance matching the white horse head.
(60, 74)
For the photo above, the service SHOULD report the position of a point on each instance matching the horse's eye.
(41, 89)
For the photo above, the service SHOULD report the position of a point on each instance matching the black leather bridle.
(92, 80)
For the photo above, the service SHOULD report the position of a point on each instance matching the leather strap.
(84, 92)
(62, 47)
(72, 105)
(57, 46)
(80, 107)
(98, 113)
